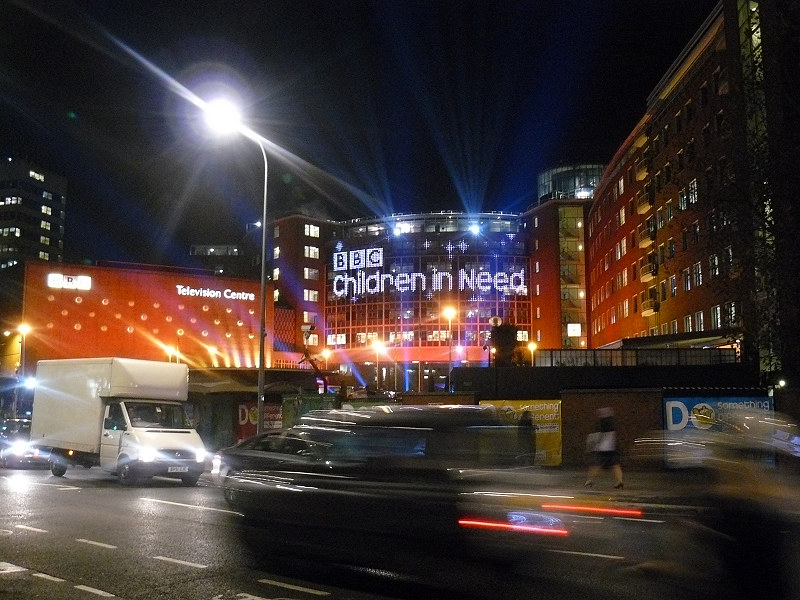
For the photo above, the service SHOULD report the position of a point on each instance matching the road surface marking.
(48, 577)
(9, 568)
(639, 520)
(294, 588)
(60, 486)
(92, 590)
(6, 532)
(101, 544)
(28, 528)
(592, 554)
(231, 512)
(181, 562)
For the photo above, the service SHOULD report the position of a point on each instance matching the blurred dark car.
(16, 449)
(385, 484)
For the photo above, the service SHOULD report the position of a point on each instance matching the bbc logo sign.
(358, 259)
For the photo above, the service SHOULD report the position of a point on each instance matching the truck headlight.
(19, 449)
(147, 454)
(200, 455)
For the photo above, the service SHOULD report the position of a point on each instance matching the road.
(85, 536)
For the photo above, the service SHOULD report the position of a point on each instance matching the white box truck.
(125, 415)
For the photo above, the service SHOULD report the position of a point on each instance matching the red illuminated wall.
(139, 314)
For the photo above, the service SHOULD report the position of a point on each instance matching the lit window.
(311, 252)
(276, 273)
(46, 210)
(46, 225)
(311, 295)
(311, 274)
(43, 239)
(276, 252)
(311, 230)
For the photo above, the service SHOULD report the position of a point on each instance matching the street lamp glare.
(222, 116)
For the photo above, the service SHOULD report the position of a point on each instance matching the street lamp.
(222, 116)
(449, 314)
(532, 348)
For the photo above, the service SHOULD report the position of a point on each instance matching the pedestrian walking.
(603, 448)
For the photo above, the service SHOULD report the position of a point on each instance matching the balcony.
(643, 204)
(647, 271)
(645, 236)
(649, 308)
(641, 170)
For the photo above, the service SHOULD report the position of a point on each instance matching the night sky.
(383, 106)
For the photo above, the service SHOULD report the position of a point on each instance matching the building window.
(687, 324)
(663, 290)
(276, 252)
(276, 232)
(682, 200)
(311, 230)
(313, 339)
(673, 326)
(692, 194)
(276, 294)
(698, 321)
(46, 225)
(716, 317)
(670, 214)
(673, 286)
(309, 317)
(687, 280)
(46, 210)
(729, 314)
(44, 240)
(697, 274)
(713, 265)
(276, 274)
(311, 251)
(311, 274)
(310, 295)
(44, 256)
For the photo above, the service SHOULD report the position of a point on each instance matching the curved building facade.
(411, 295)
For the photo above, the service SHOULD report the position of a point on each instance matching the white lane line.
(95, 591)
(10, 568)
(60, 486)
(28, 528)
(592, 554)
(93, 543)
(231, 512)
(639, 520)
(181, 562)
(294, 588)
(48, 577)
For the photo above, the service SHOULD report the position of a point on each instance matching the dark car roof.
(428, 416)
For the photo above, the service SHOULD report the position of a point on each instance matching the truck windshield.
(157, 415)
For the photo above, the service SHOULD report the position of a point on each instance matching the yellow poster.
(546, 415)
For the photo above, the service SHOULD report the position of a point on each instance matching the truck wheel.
(58, 469)
(189, 481)
(126, 473)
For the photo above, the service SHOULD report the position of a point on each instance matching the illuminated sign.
(364, 276)
(69, 282)
(227, 293)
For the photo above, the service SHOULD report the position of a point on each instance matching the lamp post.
(24, 329)
(379, 347)
(449, 313)
(223, 116)
(326, 354)
(532, 348)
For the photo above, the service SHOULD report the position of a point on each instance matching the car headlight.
(216, 462)
(147, 454)
(19, 449)
(200, 455)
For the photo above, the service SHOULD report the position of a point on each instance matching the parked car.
(16, 449)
